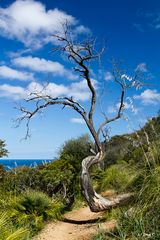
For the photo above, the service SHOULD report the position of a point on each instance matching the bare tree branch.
(119, 114)
(48, 101)
(125, 82)
(81, 54)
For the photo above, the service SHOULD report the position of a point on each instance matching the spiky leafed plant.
(9, 232)
(32, 209)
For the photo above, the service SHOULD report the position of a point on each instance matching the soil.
(81, 224)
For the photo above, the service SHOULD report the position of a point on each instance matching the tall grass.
(117, 177)
(141, 219)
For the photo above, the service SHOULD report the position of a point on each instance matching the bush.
(56, 178)
(76, 150)
(20, 180)
(32, 209)
(116, 148)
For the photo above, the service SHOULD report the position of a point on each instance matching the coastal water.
(13, 163)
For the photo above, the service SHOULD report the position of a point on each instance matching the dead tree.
(81, 54)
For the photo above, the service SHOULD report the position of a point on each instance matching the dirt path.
(79, 224)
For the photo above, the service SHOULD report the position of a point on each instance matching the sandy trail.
(78, 226)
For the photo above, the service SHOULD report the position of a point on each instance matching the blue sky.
(130, 31)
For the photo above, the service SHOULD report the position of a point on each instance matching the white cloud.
(29, 22)
(149, 97)
(127, 106)
(82, 29)
(52, 89)
(108, 76)
(14, 92)
(114, 109)
(43, 65)
(142, 67)
(12, 74)
(79, 91)
(77, 120)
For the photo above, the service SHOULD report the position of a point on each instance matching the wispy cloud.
(77, 120)
(13, 74)
(127, 106)
(29, 22)
(154, 19)
(82, 29)
(150, 20)
(149, 97)
(43, 65)
(108, 76)
(18, 53)
(114, 109)
(142, 67)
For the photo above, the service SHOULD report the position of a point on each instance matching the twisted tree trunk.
(81, 55)
(95, 201)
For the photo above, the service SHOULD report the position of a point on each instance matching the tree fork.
(81, 54)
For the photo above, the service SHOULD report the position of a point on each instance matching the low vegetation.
(140, 219)
(28, 212)
(29, 197)
(10, 231)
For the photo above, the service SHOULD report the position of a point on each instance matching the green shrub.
(59, 179)
(56, 178)
(76, 150)
(20, 179)
(116, 149)
(32, 209)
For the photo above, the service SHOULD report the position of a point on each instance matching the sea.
(14, 163)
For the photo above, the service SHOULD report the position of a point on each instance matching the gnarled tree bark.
(95, 201)
(80, 54)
